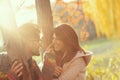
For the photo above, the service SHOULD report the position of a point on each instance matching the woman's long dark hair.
(68, 36)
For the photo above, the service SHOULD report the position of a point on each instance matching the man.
(29, 39)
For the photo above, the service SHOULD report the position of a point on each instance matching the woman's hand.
(57, 72)
(17, 68)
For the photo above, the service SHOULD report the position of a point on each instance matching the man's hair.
(29, 31)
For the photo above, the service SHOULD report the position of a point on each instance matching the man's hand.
(17, 68)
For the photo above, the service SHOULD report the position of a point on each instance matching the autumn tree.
(73, 14)
(106, 15)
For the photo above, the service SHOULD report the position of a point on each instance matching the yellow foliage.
(104, 67)
(105, 14)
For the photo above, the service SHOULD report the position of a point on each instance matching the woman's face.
(58, 44)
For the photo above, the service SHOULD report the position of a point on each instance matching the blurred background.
(96, 23)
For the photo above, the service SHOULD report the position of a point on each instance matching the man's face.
(35, 46)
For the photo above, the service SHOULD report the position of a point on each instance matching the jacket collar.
(87, 57)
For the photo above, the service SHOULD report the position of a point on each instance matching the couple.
(64, 59)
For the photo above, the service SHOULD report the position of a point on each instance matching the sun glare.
(24, 11)
(18, 12)
(68, 1)
(7, 19)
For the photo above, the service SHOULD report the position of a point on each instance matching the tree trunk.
(45, 21)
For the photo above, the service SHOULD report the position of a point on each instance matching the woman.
(71, 59)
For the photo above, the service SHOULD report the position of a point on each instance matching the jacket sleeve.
(7, 76)
(73, 70)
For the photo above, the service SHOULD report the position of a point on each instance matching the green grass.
(105, 62)
(99, 46)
